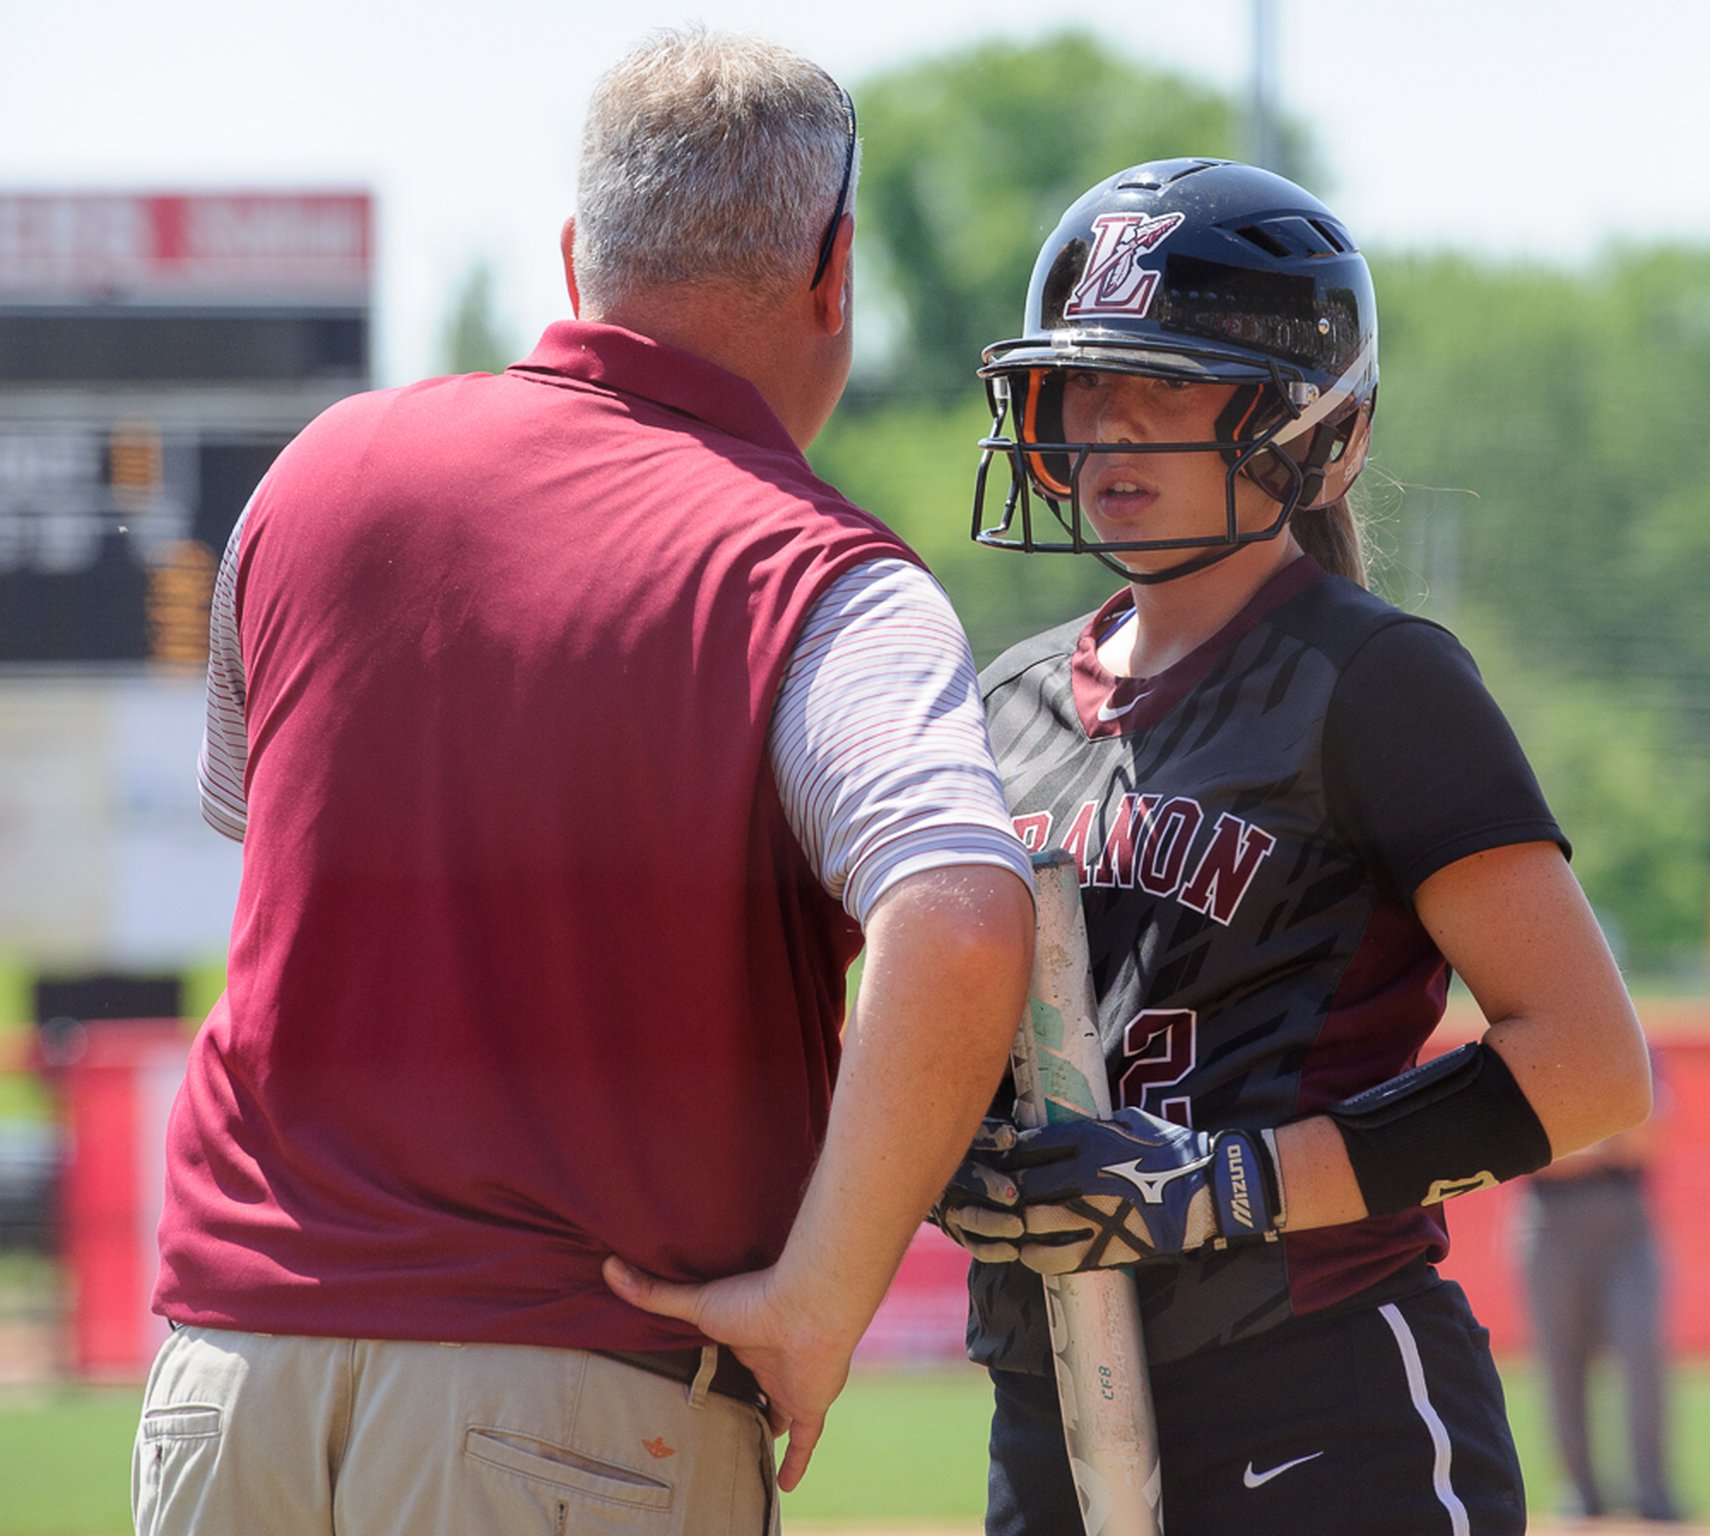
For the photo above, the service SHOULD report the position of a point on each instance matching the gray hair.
(707, 158)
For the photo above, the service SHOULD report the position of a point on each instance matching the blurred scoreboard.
(156, 352)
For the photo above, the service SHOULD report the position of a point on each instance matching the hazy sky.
(1543, 128)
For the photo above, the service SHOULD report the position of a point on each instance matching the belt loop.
(702, 1384)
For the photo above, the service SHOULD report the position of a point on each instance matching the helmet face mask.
(1201, 272)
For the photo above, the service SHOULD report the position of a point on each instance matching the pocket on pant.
(192, 1421)
(559, 1466)
(174, 1446)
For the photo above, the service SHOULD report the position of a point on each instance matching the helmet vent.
(1158, 174)
(1340, 240)
(1257, 234)
(1292, 236)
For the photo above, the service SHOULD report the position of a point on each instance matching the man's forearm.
(944, 985)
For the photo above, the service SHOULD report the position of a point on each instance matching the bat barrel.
(1096, 1340)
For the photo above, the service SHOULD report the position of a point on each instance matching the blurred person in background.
(1593, 1271)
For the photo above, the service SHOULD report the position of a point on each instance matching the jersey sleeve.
(1421, 766)
(224, 756)
(879, 743)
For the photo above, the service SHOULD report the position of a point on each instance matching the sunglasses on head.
(842, 191)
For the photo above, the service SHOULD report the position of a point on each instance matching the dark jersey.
(1250, 826)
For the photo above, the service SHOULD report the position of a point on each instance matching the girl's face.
(1155, 495)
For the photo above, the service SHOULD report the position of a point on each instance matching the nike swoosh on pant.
(1258, 1479)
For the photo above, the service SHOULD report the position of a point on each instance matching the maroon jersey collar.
(1118, 706)
(579, 352)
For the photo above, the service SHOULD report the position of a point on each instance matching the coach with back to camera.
(544, 706)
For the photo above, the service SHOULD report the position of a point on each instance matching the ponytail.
(1334, 537)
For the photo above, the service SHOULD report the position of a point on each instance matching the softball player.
(1295, 810)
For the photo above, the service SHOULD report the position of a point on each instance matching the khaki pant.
(247, 1434)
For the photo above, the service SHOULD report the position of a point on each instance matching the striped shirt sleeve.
(225, 747)
(878, 739)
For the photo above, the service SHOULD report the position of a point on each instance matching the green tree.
(968, 161)
(475, 340)
(1547, 423)
(1626, 787)
(1554, 507)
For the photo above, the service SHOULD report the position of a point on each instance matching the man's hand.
(1092, 1194)
(800, 1361)
(948, 952)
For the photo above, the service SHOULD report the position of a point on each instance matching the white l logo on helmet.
(1114, 282)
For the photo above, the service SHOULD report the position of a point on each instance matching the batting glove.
(978, 1194)
(1094, 1194)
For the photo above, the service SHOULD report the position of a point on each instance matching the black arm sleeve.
(1421, 766)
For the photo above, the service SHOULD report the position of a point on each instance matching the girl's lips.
(1122, 499)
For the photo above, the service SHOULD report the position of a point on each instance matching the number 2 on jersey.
(1158, 1049)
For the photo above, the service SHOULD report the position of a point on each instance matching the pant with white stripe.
(1382, 1421)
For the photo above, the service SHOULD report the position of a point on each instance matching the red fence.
(117, 1091)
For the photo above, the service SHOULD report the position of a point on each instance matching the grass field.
(901, 1448)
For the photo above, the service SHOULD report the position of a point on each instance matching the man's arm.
(948, 956)
(879, 747)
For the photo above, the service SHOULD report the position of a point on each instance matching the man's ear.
(831, 297)
(567, 245)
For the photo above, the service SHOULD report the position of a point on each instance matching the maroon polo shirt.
(527, 966)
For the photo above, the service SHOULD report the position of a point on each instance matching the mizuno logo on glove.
(1235, 1170)
(1152, 1185)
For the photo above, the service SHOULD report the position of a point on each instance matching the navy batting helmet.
(1205, 271)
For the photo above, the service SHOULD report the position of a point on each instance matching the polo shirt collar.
(609, 357)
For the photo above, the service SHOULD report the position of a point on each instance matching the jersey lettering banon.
(1250, 826)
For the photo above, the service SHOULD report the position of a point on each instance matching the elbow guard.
(1446, 1128)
